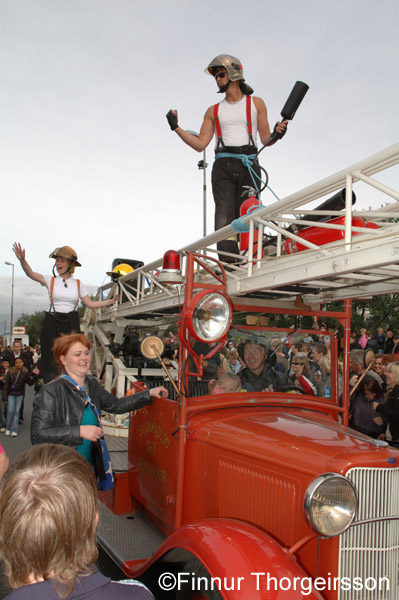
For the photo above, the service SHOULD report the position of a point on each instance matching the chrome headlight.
(330, 504)
(209, 316)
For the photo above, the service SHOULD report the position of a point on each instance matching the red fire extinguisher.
(248, 206)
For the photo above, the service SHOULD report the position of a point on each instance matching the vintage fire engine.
(252, 495)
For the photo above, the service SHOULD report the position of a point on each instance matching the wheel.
(199, 585)
(289, 388)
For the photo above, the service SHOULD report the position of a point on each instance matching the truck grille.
(370, 552)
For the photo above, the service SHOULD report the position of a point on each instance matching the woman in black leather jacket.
(62, 413)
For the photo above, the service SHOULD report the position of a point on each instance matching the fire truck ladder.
(361, 263)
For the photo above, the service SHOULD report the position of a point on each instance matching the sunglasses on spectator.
(221, 74)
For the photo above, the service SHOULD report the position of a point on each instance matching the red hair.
(63, 344)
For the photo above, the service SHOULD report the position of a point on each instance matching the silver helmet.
(234, 70)
(232, 65)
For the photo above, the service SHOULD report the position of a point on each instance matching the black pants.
(229, 176)
(54, 325)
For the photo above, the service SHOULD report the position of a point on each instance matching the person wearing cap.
(235, 121)
(65, 292)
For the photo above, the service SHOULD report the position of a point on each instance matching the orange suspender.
(52, 290)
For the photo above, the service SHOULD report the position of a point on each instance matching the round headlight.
(210, 316)
(330, 504)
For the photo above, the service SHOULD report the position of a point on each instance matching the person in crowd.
(35, 355)
(230, 345)
(363, 338)
(339, 336)
(390, 408)
(354, 342)
(389, 341)
(14, 391)
(48, 523)
(236, 122)
(224, 365)
(233, 362)
(301, 374)
(62, 411)
(4, 368)
(65, 292)
(362, 412)
(356, 365)
(294, 349)
(279, 350)
(258, 374)
(17, 352)
(316, 375)
(379, 368)
(228, 383)
(395, 349)
(318, 351)
(380, 339)
(326, 384)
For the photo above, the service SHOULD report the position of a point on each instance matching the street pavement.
(15, 445)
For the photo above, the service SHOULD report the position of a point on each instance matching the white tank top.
(233, 122)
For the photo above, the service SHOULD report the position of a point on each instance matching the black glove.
(172, 120)
(276, 135)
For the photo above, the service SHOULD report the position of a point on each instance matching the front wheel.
(199, 584)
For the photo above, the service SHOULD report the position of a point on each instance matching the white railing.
(143, 286)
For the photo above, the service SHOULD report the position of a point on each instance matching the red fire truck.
(253, 494)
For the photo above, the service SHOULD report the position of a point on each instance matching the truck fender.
(247, 562)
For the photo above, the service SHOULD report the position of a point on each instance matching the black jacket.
(59, 406)
(96, 587)
(390, 410)
(15, 381)
(268, 377)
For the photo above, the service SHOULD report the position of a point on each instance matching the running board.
(127, 537)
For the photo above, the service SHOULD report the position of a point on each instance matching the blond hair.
(393, 367)
(236, 380)
(48, 518)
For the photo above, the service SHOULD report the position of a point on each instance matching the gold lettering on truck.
(152, 469)
(157, 431)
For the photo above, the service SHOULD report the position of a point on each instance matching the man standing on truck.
(235, 121)
(258, 375)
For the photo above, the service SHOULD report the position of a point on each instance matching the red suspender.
(217, 121)
(249, 122)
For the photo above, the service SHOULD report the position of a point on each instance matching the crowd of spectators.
(303, 365)
(19, 366)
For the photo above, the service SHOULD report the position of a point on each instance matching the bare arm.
(263, 123)
(205, 135)
(87, 301)
(20, 254)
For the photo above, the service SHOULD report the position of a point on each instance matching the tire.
(197, 570)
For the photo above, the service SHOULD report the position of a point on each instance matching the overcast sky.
(86, 155)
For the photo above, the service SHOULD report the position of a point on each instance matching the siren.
(170, 272)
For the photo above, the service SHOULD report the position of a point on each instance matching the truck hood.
(314, 442)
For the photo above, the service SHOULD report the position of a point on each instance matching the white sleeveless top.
(233, 122)
(66, 298)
